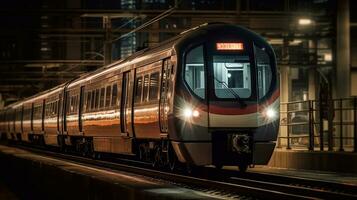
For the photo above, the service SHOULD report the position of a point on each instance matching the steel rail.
(198, 183)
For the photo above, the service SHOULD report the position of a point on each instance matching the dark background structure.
(44, 42)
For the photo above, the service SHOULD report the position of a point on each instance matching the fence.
(319, 126)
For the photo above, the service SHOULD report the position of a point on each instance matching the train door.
(126, 105)
(22, 118)
(31, 120)
(80, 111)
(59, 111)
(66, 101)
(164, 95)
(43, 116)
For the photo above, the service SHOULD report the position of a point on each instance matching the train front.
(226, 104)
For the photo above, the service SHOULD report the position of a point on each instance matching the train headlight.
(189, 113)
(270, 113)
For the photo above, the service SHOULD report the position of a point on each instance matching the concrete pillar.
(312, 85)
(343, 84)
(285, 90)
(343, 67)
(312, 72)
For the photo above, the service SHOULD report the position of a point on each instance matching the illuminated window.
(146, 87)
(114, 94)
(107, 96)
(101, 102)
(154, 86)
(232, 76)
(138, 88)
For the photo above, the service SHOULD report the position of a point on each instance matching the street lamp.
(305, 21)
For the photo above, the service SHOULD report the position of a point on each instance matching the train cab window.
(146, 87)
(138, 89)
(114, 94)
(101, 102)
(195, 76)
(263, 70)
(232, 76)
(154, 86)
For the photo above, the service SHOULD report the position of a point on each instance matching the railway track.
(225, 183)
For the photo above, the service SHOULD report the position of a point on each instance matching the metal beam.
(36, 79)
(46, 73)
(67, 62)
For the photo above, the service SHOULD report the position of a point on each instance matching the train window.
(263, 70)
(92, 100)
(154, 86)
(96, 99)
(232, 76)
(67, 102)
(71, 105)
(195, 76)
(114, 94)
(138, 88)
(76, 103)
(56, 108)
(89, 95)
(107, 96)
(101, 102)
(146, 87)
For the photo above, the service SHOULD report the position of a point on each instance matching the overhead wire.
(151, 21)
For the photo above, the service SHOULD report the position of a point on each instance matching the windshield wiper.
(240, 101)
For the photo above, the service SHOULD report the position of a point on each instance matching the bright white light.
(229, 75)
(187, 112)
(195, 113)
(305, 21)
(270, 113)
(328, 57)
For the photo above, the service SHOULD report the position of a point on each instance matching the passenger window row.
(73, 104)
(147, 87)
(37, 112)
(27, 114)
(51, 109)
(104, 97)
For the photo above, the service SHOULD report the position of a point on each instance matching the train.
(208, 96)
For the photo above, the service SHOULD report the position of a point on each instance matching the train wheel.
(172, 159)
(157, 158)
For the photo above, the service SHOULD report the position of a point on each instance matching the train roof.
(187, 35)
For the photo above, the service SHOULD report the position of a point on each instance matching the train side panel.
(146, 101)
(51, 128)
(27, 121)
(18, 122)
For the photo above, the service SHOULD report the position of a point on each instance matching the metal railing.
(319, 125)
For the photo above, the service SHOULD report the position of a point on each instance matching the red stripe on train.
(221, 110)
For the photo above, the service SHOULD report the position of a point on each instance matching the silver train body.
(208, 96)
